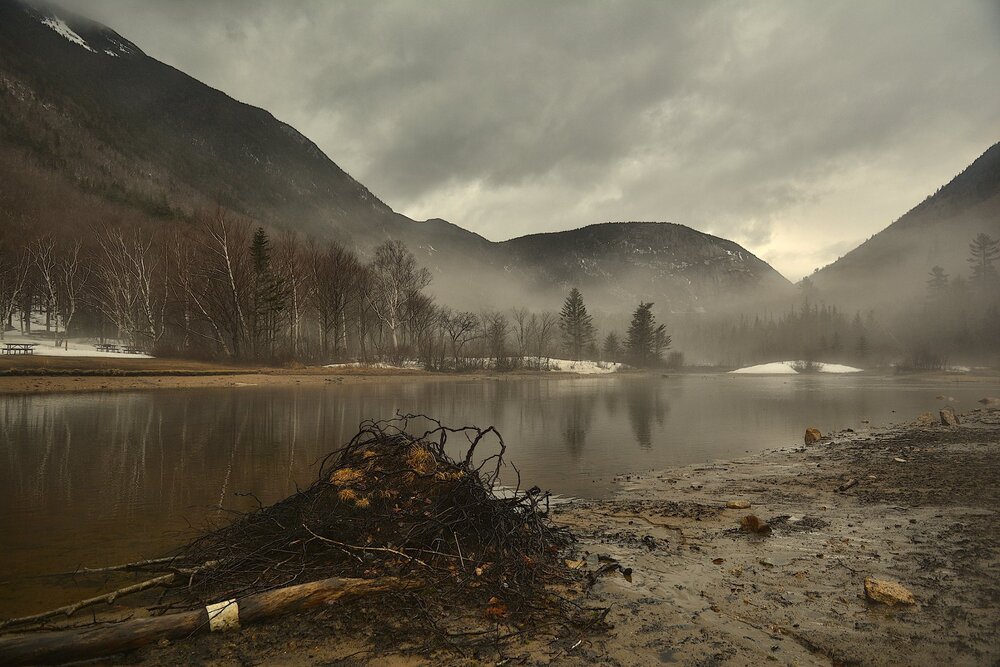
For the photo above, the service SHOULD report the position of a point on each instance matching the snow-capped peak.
(64, 30)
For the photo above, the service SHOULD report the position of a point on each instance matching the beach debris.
(576, 564)
(627, 573)
(496, 609)
(444, 535)
(948, 417)
(751, 523)
(738, 504)
(899, 460)
(990, 402)
(926, 419)
(650, 542)
(887, 592)
(812, 435)
(697, 486)
(82, 643)
(849, 484)
(942, 397)
(718, 561)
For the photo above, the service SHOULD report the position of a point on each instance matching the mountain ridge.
(936, 231)
(115, 132)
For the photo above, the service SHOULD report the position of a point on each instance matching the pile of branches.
(394, 503)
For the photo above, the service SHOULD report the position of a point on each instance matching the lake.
(102, 478)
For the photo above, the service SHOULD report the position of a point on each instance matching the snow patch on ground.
(583, 367)
(64, 30)
(555, 365)
(407, 365)
(788, 368)
(75, 348)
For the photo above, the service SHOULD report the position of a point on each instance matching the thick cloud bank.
(796, 129)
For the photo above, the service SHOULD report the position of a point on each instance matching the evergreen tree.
(612, 347)
(268, 295)
(937, 282)
(576, 324)
(983, 251)
(645, 341)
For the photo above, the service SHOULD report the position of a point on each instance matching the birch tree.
(395, 277)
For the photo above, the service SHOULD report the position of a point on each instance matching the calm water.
(103, 478)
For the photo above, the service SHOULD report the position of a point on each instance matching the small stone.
(738, 504)
(751, 523)
(812, 435)
(926, 419)
(887, 592)
(948, 417)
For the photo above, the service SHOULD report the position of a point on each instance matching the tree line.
(222, 288)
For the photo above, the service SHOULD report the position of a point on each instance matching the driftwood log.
(82, 644)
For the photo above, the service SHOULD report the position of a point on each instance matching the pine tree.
(576, 324)
(938, 281)
(983, 251)
(645, 341)
(612, 348)
(268, 295)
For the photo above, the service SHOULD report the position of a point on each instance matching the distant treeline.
(957, 321)
(218, 287)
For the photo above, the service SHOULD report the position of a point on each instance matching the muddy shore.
(923, 513)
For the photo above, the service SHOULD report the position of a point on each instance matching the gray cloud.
(786, 127)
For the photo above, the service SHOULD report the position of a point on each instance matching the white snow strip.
(838, 368)
(583, 367)
(788, 368)
(556, 365)
(773, 368)
(61, 28)
(407, 365)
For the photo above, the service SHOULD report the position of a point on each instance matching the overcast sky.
(797, 129)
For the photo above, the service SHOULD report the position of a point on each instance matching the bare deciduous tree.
(395, 276)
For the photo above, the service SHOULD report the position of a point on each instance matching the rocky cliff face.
(93, 129)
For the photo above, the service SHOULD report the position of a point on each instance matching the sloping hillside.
(894, 264)
(94, 130)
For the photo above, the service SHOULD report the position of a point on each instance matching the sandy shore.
(923, 513)
(41, 375)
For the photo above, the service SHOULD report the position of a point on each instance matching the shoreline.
(922, 512)
(48, 375)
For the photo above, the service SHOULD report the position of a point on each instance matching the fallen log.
(109, 598)
(82, 644)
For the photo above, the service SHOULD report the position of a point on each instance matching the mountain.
(671, 264)
(93, 130)
(893, 265)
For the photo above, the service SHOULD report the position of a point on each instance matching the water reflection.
(100, 478)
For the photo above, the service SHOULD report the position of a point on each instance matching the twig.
(108, 598)
(352, 546)
(138, 565)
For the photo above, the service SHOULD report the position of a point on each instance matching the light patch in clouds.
(792, 128)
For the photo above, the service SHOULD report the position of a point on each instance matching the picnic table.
(106, 347)
(133, 349)
(19, 348)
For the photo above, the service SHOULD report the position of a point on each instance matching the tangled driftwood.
(394, 510)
